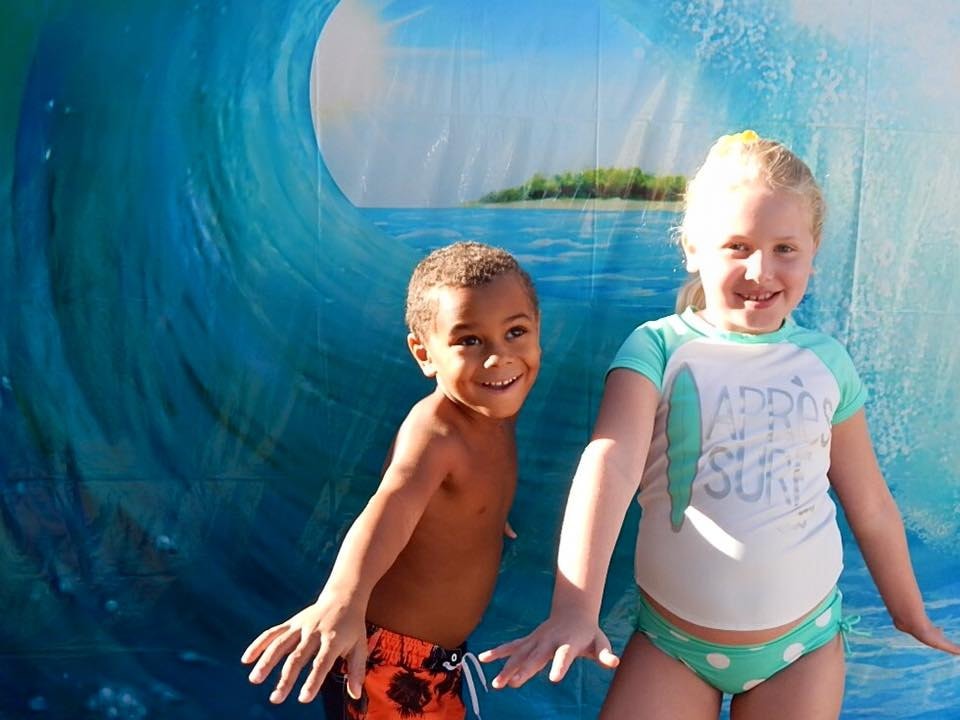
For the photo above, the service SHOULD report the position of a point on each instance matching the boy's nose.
(496, 357)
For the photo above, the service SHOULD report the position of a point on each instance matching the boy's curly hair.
(460, 265)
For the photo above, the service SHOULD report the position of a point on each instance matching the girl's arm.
(878, 528)
(604, 485)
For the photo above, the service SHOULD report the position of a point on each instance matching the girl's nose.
(758, 266)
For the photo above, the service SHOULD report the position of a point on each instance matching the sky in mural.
(420, 104)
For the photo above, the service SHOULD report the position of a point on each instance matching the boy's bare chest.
(479, 488)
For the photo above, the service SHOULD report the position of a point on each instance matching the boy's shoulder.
(436, 439)
(431, 416)
(436, 421)
(432, 423)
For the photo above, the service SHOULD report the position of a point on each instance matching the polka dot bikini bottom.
(738, 668)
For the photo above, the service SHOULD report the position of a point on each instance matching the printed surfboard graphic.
(684, 433)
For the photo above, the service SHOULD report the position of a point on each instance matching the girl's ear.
(421, 355)
(689, 255)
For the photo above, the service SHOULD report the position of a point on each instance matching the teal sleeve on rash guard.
(853, 393)
(644, 351)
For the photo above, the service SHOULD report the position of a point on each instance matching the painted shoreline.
(584, 204)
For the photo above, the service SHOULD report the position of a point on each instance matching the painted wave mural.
(210, 213)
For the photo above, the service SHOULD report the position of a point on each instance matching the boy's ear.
(420, 354)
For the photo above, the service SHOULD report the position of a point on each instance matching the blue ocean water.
(202, 359)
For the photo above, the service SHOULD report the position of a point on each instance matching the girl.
(734, 422)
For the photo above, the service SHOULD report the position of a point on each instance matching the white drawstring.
(468, 674)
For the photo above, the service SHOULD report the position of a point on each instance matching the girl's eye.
(516, 332)
(736, 246)
(785, 249)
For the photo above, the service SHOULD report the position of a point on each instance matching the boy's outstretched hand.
(321, 632)
(560, 639)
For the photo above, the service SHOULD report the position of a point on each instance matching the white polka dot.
(678, 636)
(718, 660)
(792, 652)
(824, 619)
(750, 684)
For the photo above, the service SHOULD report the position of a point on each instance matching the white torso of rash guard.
(738, 531)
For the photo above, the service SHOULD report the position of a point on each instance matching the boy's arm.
(334, 626)
(603, 487)
(878, 527)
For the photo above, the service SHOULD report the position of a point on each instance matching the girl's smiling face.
(754, 249)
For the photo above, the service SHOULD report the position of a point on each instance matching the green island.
(626, 184)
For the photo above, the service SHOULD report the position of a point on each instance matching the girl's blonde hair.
(734, 161)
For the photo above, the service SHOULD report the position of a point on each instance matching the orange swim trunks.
(406, 678)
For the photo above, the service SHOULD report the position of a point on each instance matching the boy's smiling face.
(484, 346)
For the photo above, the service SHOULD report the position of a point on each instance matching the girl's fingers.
(500, 651)
(939, 641)
(562, 660)
(515, 672)
(607, 658)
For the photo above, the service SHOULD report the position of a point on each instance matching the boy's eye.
(785, 249)
(516, 332)
(468, 340)
(736, 246)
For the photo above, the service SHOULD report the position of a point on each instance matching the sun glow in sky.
(349, 62)
(432, 105)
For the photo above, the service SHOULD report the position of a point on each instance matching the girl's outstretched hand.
(929, 634)
(320, 633)
(561, 639)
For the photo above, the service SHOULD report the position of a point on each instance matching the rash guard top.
(737, 529)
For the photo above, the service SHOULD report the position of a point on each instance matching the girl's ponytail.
(691, 294)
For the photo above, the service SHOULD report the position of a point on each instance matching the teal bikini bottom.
(738, 668)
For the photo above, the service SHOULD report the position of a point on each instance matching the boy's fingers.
(255, 648)
(279, 647)
(356, 670)
(322, 664)
(291, 670)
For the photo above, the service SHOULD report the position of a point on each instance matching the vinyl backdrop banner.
(210, 211)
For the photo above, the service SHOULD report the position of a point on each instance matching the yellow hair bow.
(728, 142)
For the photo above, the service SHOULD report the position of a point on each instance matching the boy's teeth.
(501, 383)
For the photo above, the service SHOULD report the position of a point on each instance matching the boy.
(418, 566)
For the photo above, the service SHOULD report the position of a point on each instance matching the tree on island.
(623, 183)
